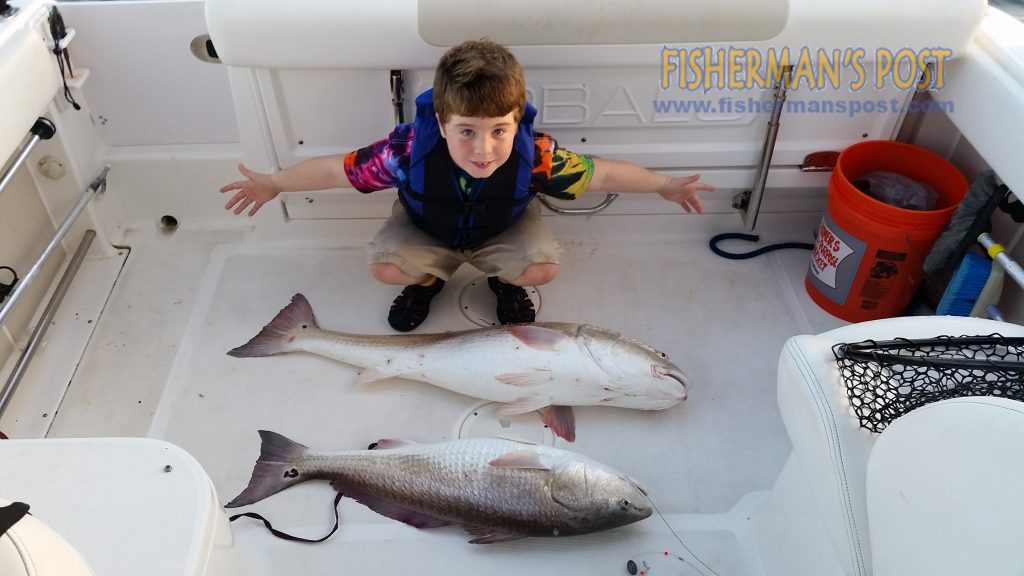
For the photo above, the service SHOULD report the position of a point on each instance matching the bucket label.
(829, 253)
(834, 261)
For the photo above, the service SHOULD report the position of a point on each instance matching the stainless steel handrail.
(749, 203)
(99, 184)
(398, 95)
(44, 321)
(43, 129)
(578, 211)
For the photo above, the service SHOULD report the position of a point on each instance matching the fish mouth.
(675, 374)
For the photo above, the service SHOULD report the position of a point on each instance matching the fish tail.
(276, 469)
(282, 330)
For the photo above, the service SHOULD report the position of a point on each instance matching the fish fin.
(517, 440)
(520, 459)
(524, 405)
(561, 421)
(483, 535)
(275, 337)
(394, 511)
(537, 337)
(529, 378)
(389, 443)
(371, 375)
(276, 469)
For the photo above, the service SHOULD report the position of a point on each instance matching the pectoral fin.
(537, 337)
(524, 405)
(520, 459)
(371, 375)
(561, 421)
(389, 443)
(390, 509)
(528, 378)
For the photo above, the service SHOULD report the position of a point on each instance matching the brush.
(965, 287)
(991, 293)
(970, 219)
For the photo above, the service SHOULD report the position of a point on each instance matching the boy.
(467, 170)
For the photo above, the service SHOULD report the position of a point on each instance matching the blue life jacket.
(435, 200)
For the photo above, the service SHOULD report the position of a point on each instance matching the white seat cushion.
(944, 490)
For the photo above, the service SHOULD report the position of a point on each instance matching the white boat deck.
(156, 366)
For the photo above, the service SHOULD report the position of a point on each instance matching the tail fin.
(275, 337)
(276, 469)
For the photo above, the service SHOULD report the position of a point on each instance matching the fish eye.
(662, 354)
(625, 503)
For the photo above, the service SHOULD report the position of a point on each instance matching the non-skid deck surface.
(705, 462)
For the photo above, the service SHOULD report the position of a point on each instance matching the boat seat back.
(943, 490)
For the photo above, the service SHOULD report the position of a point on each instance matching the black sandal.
(412, 306)
(514, 305)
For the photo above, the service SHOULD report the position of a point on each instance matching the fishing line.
(680, 540)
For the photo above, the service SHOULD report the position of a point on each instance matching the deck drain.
(168, 224)
(482, 421)
(478, 304)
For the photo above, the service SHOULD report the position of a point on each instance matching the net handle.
(871, 350)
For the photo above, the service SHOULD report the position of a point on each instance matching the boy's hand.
(257, 189)
(683, 191)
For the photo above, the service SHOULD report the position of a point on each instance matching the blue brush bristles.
(965, 287)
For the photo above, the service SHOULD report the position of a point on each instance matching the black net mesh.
(886, 379)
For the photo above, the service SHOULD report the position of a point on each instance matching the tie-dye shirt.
(385, 164)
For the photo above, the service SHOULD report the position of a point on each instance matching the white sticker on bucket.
(829, 252)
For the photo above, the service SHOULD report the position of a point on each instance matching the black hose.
(713, 244)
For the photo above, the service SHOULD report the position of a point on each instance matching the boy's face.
(479, 145)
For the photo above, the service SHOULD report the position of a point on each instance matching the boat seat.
(128, 505)
(832, 452)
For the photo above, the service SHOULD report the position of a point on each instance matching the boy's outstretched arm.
(618, 176)
(320, 173)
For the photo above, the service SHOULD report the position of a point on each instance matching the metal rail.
(43, 129)
(36, 339)
(998, 253)
(99, 184)
(749, 202)
(577, 211)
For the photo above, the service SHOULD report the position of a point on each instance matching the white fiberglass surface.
(184, 301)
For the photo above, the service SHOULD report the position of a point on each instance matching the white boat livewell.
(172, 281)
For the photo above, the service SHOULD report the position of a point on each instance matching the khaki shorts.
(416, 253)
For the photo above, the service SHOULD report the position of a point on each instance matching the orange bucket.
(867, 259)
